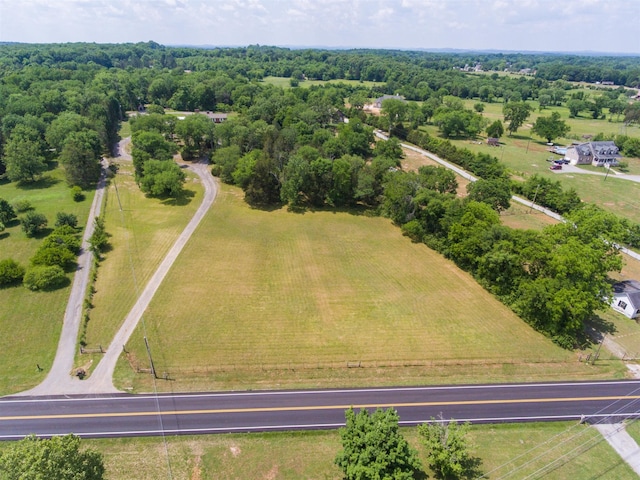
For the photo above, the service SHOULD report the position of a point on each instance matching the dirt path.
(59, 380)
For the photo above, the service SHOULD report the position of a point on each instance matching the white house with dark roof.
(626, 298)
(597, 154)
(217, 117)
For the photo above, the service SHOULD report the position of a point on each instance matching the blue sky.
(521, 25)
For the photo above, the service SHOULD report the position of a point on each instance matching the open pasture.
(271, 298)
(140, 236)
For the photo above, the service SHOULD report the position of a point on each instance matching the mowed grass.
(285, 82)
(526, 154)
(272, 298)
(30, 322)
(559, 450)
(140, 236)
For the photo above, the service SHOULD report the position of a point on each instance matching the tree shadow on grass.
(595, 329)
(12, 223)
(15, 284)
(61, 284)
(43, 182)
(181, 200)
(273, 208)
(40, 234)
(4, 235)
(357, 211)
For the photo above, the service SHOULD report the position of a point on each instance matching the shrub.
(64, 236)
(66, 219)
(53, 255)
(99, 240)
(10, 272)
(22, 206)
(32, 223)
(44, 278)
(76, 193)
(7, 213)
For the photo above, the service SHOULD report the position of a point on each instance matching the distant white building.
(626, 298)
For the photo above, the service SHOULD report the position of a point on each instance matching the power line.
(144, 328)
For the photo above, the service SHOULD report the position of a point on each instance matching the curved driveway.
(59, 380)
(100, 380)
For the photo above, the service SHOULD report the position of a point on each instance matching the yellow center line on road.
(317, 407)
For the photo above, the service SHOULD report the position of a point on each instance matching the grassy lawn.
(30, 322)
(633, 429)
(526, 155)
(141, 235)
(272, 299)
(561, 450)
(284, 82)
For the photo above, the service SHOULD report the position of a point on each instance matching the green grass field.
(559, 450)
(30, 322)
(271, 298)
(141, 235)
(525, 154)
(284, 82)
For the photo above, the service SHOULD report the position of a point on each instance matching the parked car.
(555, 166)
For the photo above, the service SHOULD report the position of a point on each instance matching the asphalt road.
(198, 413)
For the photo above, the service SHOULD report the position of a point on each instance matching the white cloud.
(474, 24)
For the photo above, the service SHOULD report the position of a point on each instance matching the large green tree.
(496, 129)
(162, 178)
(495, 192)
(448, 449)
(551, 127)
(23, 155)
(516, 113)
(196, 133)
(60, 458)
(64, 125)
(394, 111)
(374, 448)
(149, 145)
(81, 158)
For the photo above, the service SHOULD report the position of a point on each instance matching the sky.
(506, 25)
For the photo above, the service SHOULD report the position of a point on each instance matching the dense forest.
(64, 103)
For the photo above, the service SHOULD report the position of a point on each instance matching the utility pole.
(598, 351)
(153, 368)
(534, 198)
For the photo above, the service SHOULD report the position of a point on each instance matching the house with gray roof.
(598, 154)
(626, 298)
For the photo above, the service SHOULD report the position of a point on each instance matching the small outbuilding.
(494, 142)
(626, 298)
